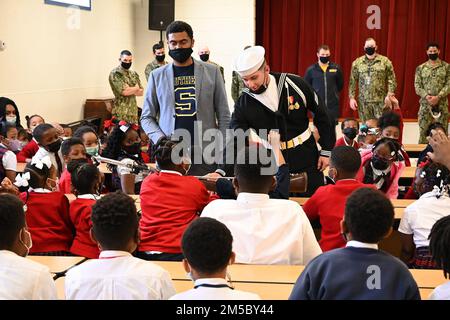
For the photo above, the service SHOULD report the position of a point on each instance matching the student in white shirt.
(8, 160)
(117, 275)
(265, 231)
(420, 216)
(20, 278)
(440, 250)
(207, 248)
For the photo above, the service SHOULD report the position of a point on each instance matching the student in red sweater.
(350, 129)
(86, 181)
(47, 211)
(71, 149)
(170, 201)
(28, 152)
(328, 202)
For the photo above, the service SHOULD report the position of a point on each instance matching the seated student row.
(118, 275)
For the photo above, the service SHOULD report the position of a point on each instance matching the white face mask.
(11, 120)
(30, 241)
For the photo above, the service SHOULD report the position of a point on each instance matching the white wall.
(49, 68)
(225, 26)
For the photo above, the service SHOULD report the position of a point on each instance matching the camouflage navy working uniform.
(125, 108)
(153, 66)
(374, 78)
(237, 86)
(433, 80)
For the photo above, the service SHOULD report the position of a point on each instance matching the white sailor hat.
(249, 61)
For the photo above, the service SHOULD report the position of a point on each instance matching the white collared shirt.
(40, 190)
(266, 231)
(218, 289)
(420, 216)
(89, 196)
(358, 244)
(441, 293)
(117, 275)
(9, 160)
(24, 279)
(171, 172)
(269, 98)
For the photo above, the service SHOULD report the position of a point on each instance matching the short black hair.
(126, 53)
(439, 244)
(389, 119)
(40, 130)
(29, 118)
(12, 219)
(157, 46)
(346, 158)
(79, 133)
(249, 168)
(179, 26)
(9, 127)
(67, 145)
(369, 215)
(207, 245)
(84, 176)
(23, 133)
(434, 126)
(115, 220)
(432, 44)
(349, 119)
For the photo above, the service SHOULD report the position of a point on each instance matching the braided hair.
(84, 176)
(114, 148)
(439, 244)
(395, 148)
(163, 153)
(436, 177)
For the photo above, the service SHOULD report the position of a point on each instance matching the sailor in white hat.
(281, 101)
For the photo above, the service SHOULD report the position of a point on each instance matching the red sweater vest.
(48, 221)
(80, 214)
(169, 204)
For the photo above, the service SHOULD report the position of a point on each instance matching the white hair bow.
(39, 163)
(22, 180)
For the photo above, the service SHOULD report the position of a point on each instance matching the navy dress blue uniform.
(296, 99)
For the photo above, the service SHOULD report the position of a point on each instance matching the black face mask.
(126, 66)
(54, 147)
(370, 51)
(350, 133)
(261, 89)
(380, 163)
(135, 148)
(161, 58)
(181, 55)
(204, 57)
(324, 60)
(433, 56)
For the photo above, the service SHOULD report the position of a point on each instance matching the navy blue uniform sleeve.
(283, 182)
(308, 76)
(302, 287)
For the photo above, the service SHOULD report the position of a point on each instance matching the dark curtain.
(291, 31)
